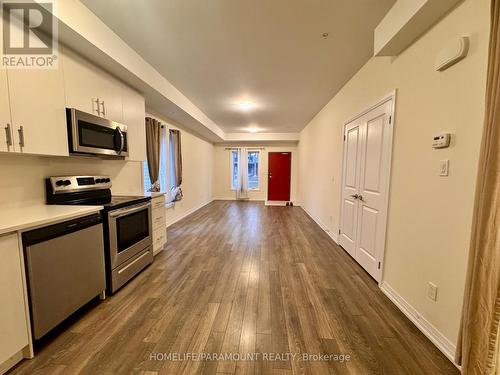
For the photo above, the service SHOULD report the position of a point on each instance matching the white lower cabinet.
(159, 223)
(13, 320)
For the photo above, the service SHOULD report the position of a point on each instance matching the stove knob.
(59, 182)
(98, 180)
(107, 180)
(67, 182)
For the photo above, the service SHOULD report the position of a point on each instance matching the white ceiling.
(267, 52)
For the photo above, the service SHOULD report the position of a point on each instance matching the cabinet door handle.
(8, 135)
(103, 109)
(21, 136)
(97, 108)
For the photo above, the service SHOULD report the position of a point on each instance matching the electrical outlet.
(432, 291)
(444, 165)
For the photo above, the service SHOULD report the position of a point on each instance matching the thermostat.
(441, 140)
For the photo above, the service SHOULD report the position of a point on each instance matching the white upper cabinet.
(6, 142)
(90, 89)
(33, 106)
(37, 107)
(134, 113)
(35, 100)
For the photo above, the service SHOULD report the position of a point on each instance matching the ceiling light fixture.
(245, 106)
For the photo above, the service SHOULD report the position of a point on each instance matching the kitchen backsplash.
(22, 176)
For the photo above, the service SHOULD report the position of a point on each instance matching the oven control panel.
(65, 184)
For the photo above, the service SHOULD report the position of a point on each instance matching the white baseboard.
(280, 203)
(432, 333)
(266, 202)
(234, 199)
(187, 213)
(275, 203)
(12, 361)
(332, 234)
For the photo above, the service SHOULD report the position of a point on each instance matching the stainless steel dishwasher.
(64, 268)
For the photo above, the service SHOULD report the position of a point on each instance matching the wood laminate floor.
(243, 278)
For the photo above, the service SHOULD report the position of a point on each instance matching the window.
(253, 170)
(164, 182)
(234, 169)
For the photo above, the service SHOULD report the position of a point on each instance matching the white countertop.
(22, 218)
(154, 194)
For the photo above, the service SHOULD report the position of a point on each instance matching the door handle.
(8, 135)
(129, 210)
(21, 136)
(122, 140)
(355, 196)
(360, 197)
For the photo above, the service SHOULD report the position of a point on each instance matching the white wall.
(222, 171)
(197, 174)
(429, 220)
(22, 179)
(22, 176)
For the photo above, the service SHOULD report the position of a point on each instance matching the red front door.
(279, 176)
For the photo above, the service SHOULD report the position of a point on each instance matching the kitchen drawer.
(159, 239)
(158, 203)
(123, 273)
(158, 218)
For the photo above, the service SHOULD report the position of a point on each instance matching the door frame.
(390, 96)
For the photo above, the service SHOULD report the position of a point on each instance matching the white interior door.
(364, 205)
(350, 186)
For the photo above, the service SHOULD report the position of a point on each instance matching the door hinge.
(378, 265)
(339, 231)
(344, 137)
(390, 119)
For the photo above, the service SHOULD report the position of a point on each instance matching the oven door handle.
(129, 210)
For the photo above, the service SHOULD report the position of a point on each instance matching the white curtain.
(242, 188)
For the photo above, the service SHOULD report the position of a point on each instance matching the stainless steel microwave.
(93, 135)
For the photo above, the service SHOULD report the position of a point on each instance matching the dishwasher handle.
(60, 229)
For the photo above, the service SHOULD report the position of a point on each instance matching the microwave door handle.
(122, 140)
(130, 210)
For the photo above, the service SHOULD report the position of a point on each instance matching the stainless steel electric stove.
(127, 223)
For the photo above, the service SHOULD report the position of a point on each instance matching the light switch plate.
(444, 166)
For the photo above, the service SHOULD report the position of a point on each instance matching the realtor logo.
(29, 35)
